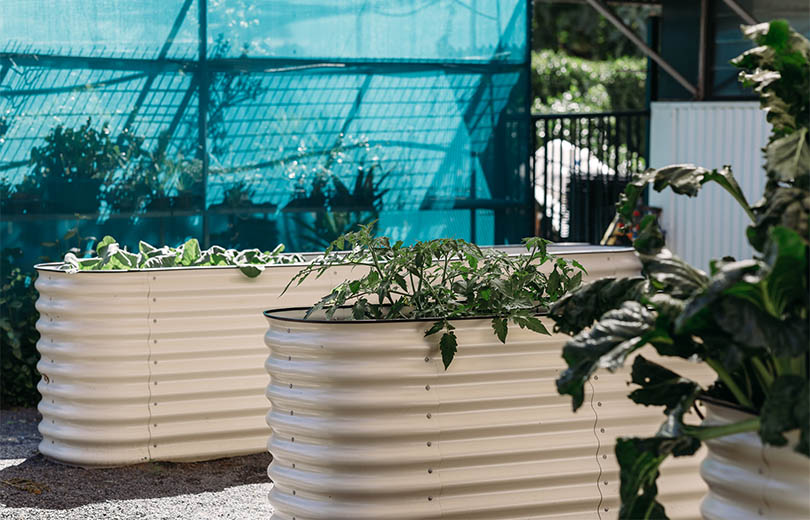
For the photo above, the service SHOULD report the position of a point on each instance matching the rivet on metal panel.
(604, 456)
(293, 491)
(155, 382)
(427, 387)
(428, 416)
(430, 498)
(599, 403)
(596, 378)
(605, 482)
(292, 439)
(154, 445)
(154, 404)
(288, 331)
(156, 361)
(602, 430)
(293, 465)
(427, 359)
(155, 425)
(154, 278)
(292, 413)
(154, 299)
(155, 341)
(291, 385)
(154, 320)
(289, 358)
(429, 443)
(607, 509)
(430, 470)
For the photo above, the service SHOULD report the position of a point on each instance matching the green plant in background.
(562, 84)
(324, 207)
(442, 280)
(747, 320)
(73, 164)
(18, 333)
(110, 256)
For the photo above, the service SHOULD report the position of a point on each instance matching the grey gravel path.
(32, 487)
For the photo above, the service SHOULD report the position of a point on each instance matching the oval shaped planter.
(749, 481)
(167, 364)
(367, 424)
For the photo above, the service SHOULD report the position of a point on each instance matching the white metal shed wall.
(709, 134)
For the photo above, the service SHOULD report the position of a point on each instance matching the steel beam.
(742, 13)
(608, 13)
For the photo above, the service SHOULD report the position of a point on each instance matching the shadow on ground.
(27, 479)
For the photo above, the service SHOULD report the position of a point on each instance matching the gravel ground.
(32, 487)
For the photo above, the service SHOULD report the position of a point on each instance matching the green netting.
(289, 121)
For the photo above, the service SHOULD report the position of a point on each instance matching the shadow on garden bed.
(28, 480)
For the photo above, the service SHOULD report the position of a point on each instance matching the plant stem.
(705, 433)
(764, 373)
(726, 378)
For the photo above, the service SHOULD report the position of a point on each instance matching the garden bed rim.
(575, 249)
(272, 314)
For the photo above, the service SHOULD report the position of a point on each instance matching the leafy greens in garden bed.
(443, 279)
(110, 256)
(747, 320)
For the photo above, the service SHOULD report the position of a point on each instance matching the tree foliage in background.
(581, 63)
(579, 30)
(562, 83)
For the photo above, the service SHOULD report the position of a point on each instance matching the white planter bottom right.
(750, 481)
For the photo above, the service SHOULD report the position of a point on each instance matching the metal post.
(531, 166)
(702, 51)
(203, 81)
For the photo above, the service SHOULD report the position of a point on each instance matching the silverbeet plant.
(110, 256)
(747, 320)
(442, 280)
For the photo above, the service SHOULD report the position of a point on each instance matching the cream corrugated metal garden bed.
(367, 424)
(167, 364)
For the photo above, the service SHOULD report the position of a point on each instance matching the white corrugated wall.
(709, 134)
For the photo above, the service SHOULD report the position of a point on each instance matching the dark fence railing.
(582, 163)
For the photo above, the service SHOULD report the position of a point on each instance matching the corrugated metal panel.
(157, 365)
(168, 364)
(709, 134)
(748, 481)
(367, 425)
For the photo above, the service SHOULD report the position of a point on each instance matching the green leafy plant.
(443, 279)
(110, 256)
(73, 164)
(747, 320)
(18, 333)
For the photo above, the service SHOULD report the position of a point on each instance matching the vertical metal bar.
(544, 231)
(203, 80)
(742, 13)
(702, 50)
(531, 203)
(473, 190)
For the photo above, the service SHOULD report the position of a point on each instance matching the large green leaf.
(786, 408)
(787, 281)
(683, 179)
(670, 274)
(191, 252)
(787, 159)
(607, 344)
(781, 206)
(580, 308)
(659, 385)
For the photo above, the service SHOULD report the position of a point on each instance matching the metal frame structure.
(203, 67)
